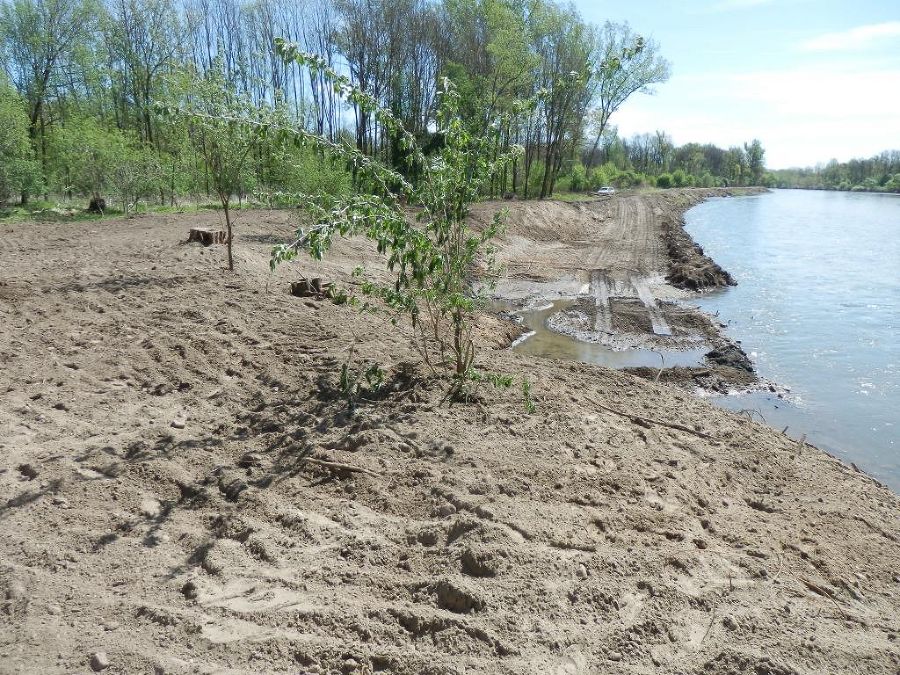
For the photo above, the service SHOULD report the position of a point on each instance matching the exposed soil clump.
(690, 268)
(730, 356)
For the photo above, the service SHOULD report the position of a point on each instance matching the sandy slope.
(478, 539)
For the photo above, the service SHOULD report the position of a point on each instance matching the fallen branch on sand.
(824, 592)
(645, 421)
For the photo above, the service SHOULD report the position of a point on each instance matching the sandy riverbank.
(156, 508)
(619, 263)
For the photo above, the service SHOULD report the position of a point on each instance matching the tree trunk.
(225, 205)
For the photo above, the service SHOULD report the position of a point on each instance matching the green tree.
(217, 113)
(19, 173)
(755, 161)
(85, 156)
(38, 38)
(431, 260)
(624, 64)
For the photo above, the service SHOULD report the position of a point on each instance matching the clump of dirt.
(730, 355)
(711, 379)
(690, 268)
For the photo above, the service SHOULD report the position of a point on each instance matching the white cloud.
(803, 116)
(855, 38)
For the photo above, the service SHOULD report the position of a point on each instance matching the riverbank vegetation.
(880, 173)
(653, 160)
(82, 79)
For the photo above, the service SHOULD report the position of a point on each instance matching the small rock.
(61, 501)
(99, 662)
(730, 623)
(150, 508)
(581, 572)
(445, 510)
(615, 656)
(190, 590)
(54, 610)
(111, 625)
(178, 423)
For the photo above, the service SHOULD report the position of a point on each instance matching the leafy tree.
(19, 173)
(430, 260)
(625, 64)
(217, 113)
(86, 156)
(38, 37)
(755, 161)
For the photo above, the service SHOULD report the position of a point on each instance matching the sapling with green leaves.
(431, 252)
(225, 127)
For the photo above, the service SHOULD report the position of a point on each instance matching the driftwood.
(310, 288)
(207, 237)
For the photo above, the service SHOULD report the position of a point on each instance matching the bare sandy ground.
(167, 503)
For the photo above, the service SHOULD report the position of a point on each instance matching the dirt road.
(182, 490)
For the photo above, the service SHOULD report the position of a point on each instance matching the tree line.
(82, 79)
(654, 160)
(880, 173)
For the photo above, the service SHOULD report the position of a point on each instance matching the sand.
(183, 490)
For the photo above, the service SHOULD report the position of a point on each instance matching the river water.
(817, 307)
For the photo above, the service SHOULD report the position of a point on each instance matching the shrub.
(578, 178)
(19, 172)
(429, 260)
(664, 180)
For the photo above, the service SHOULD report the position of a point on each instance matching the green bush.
(578, 178)
(19, 172)
(664, 180)
(429, 262)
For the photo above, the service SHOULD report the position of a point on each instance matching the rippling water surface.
(817, 307)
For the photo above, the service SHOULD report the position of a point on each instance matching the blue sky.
(813, 80)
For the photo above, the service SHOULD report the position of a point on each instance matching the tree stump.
(97, 205)
(207, 237)
(309, 288)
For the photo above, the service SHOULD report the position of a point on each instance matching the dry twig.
(644, 421)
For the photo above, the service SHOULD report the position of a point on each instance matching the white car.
(606, 190)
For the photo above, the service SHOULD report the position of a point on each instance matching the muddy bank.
(620, 264)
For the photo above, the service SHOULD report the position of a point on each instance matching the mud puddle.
(542, 341)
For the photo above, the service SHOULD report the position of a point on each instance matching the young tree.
(19, 173)
(217, 115)
(430, 261)
(625, 63)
